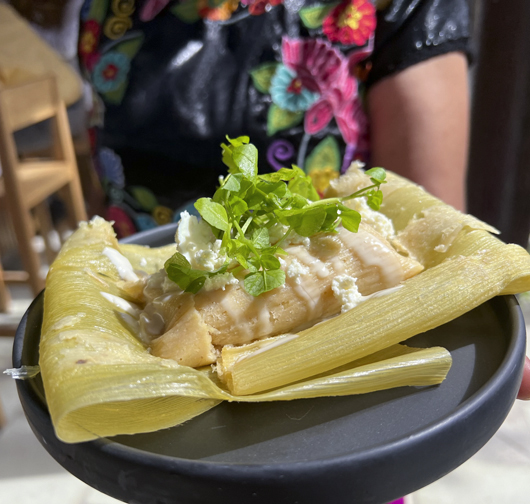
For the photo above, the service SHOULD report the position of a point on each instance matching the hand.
(524, 391)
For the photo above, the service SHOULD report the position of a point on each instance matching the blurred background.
(39, 43)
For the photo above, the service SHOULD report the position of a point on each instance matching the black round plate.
(360, 449)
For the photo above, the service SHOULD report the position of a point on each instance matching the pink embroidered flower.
(258, 7)
(151, 9)
(339, 101)
(350, 22)
(314, 61)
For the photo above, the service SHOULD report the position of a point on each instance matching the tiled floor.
(498, 474)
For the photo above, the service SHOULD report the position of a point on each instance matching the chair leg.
(44, 219)
(24, 231)
(75, 204)
(5, 299)
(2, 417)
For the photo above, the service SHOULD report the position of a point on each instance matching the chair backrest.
(28, 104)
(26, 184)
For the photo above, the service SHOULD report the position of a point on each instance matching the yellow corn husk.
(147, 259)
(405, 201)
(100, 379)
(455, 286)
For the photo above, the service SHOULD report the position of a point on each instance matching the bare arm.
(420, 125)
(420, 128)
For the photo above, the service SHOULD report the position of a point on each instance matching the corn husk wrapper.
(100, 380)
(465, 266)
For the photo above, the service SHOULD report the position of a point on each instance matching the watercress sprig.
(246, 206)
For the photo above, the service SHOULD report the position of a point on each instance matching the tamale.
(100, 378)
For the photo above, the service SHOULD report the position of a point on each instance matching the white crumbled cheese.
(220, 281)
(296, 269)
(345, 290)
(380, 222)
(143, 261)
(197, 243)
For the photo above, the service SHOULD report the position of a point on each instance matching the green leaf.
(284, 174)
(187, 11)
(312, 221)
(262, 76)
(263, 281)
(196, 285)
(246, 159)
(305, 221)
(213, 213)
(98, 11)
(374, 199)
(325, 156)
(270, 262)
(378, 175)
(239, 206)
(242, 260)
(130, 47)
(232, 183)
(179, 270)
(332, 213)
(116, 96)
(303, 186)
(350, 218)
(279, 119)
(260, 238)
(313, 16)
(299, 201)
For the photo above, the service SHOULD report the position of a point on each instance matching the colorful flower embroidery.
(110, 71)
(259, 7)
(220, 11)
(314, 61)
(151, 9)
(111, 167)
(343, 104)
(288, 91)
(350, 22)
(324, 69)
(88, 40)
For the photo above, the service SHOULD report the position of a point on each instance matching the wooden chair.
(26, 185)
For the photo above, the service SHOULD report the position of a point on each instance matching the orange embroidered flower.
(220, 13)
(350, 22)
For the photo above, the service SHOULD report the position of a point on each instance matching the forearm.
(420, 125)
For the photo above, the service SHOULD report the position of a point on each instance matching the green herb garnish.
(247, 205)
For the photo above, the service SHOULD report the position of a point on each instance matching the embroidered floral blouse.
(172, 78)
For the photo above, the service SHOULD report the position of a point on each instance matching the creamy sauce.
(310, 298)
(122, 264)
(244, 320)
(264, 325)
(372, 252)
(130, 321)
(315, 266)
(151, 325)
(122, 304)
